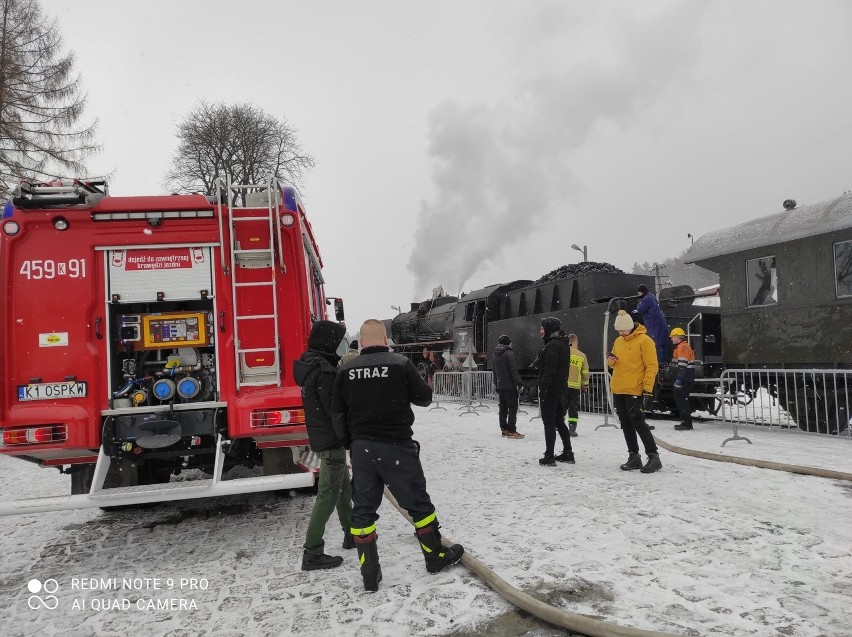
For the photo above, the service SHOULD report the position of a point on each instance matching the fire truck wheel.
(279, 460)
(81, 478)
(154, 472)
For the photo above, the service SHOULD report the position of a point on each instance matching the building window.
(761, 281)
(843, 268)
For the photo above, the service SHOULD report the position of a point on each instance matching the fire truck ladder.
(240, 200)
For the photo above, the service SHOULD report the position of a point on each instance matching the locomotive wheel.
(801, 402)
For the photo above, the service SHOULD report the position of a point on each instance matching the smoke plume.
(502, 170)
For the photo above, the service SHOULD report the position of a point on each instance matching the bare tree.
(40, 99)
(240, 141)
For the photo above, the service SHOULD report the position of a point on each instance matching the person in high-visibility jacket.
(683, 362)
(578, 382)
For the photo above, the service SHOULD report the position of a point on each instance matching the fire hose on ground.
(550, 614)
(587, 625)
(753, 462)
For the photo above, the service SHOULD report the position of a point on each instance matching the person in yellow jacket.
(634, 364)
(578, 382)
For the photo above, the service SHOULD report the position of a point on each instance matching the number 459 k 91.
(35, 269)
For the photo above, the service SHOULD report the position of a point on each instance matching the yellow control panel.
(180, 329)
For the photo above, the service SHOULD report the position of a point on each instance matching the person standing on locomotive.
(655, 323)
(315, 374)
(552, 377)
(505, 365)
(578, 382)
(371, 406)
(683, 360)
(633, 360)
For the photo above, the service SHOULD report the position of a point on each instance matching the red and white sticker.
(157, 259)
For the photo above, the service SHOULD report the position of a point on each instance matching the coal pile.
(576, 269)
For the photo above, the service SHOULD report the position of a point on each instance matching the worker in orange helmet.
(683, 366)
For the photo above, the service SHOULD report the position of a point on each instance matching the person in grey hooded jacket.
(505, 365)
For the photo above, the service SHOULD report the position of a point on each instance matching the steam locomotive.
(458, 332)
(785, 297)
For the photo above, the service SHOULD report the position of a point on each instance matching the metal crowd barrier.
(813, 400)
(467, 389)
(470, 389)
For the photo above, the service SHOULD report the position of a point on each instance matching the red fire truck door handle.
(98, 328)
(222, 321)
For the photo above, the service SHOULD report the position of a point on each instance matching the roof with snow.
(789, 225)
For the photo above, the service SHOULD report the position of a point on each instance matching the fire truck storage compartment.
(161, 348)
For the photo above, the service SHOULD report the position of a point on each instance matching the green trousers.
(333, 492)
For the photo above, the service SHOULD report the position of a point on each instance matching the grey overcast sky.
(466, 143)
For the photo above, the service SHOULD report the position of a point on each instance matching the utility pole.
(658, 277)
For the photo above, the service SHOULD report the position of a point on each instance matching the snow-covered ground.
(700, 548)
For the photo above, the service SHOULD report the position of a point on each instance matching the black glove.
(647, 401)
(585, 389)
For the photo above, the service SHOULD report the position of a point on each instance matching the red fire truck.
(144, 336)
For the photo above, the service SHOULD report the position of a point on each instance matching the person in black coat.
(505, 365)
(553, 362)
(315, 373)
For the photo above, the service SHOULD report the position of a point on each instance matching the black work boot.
(438, 557)
(314, 562)
(634, 461)
(565, 456)
(683, 427)
(653, 463)
(348, 540)
(547, 461)
(368, 557)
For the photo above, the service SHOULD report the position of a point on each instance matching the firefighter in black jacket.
(371, 406)
(315, 372)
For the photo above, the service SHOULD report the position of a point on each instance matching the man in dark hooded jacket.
(315, 373)
(508, 380)
(655, 323)
(553, 363)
